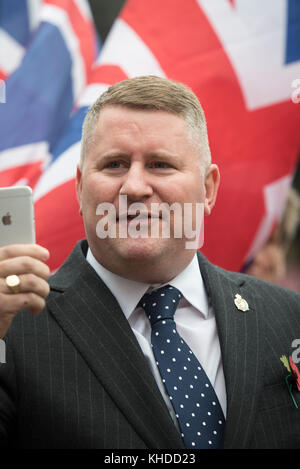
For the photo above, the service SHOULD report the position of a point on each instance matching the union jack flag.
(240, 57)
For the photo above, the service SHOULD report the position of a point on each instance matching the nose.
(136, 184)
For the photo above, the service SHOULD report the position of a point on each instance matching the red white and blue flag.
(47, 52)
(240, 57)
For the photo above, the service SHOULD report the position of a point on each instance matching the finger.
(24, 265)
(28, 283)
(17, 250)
(12, 304)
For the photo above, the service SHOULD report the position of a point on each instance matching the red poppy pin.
(295, 372)
(293, 377)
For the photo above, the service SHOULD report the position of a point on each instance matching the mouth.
(140, 216)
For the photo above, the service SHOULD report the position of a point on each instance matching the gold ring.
(13, 282)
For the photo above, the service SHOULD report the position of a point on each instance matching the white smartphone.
(16, 216)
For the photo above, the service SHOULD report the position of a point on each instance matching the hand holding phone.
(16, 216)
(20, 256)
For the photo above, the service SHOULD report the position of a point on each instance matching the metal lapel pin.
(241, 303)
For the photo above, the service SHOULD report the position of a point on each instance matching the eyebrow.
(155, 155)
(111, 156)
(172, 157)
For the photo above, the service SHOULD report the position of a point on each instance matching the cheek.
(97, 190)
(184, 191)
(196, 188)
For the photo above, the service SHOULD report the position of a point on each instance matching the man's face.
(148, 157)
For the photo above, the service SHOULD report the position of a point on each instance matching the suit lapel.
(241, 341)
(94, 322)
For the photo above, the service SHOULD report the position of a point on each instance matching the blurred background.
(240, 57)
(104, 13)
(282, 264)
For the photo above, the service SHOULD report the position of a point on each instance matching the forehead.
(121, 130)
(117, 118)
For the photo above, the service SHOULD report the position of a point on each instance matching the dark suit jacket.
(75, 376)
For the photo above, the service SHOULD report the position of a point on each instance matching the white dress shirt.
(194, 318)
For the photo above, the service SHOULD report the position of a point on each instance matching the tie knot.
(161, 304)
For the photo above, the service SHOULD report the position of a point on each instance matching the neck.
(147, 272)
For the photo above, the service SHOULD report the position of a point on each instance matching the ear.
(79, 187)
(212, 182)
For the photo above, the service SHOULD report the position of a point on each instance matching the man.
(83, 373)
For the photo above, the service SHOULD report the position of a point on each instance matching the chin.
(142, 249)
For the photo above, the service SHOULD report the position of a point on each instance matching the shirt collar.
(129, 292)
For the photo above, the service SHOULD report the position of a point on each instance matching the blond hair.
(152, 93)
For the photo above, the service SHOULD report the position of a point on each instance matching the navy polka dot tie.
(194, 400)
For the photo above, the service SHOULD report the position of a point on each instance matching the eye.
(114, 164)
(160, 165)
